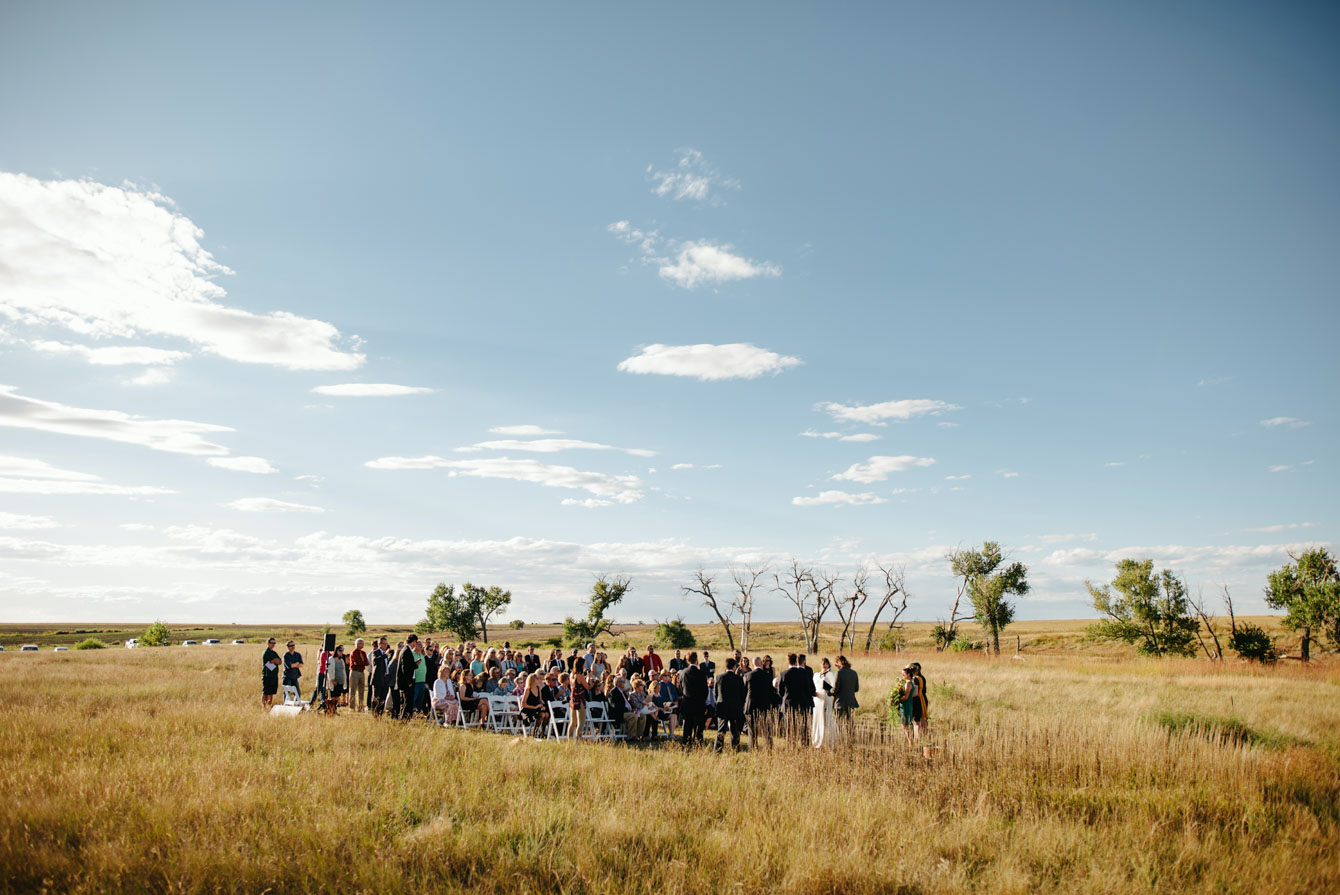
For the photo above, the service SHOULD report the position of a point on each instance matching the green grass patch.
(1232, 731)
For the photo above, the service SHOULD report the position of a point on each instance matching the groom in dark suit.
(759, 704)
(692, 701)
(730, 693)
(844, 693)
(797, 691)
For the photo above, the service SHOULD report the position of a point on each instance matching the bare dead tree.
(958, 563)
(824, 587)
(1198, 604)
(742, 602)
(848, 603)
(797, 585)
(894, 587)
(702, 586)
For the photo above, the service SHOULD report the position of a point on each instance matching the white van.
(132, 643)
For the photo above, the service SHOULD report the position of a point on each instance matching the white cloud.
(620, 488)
(708, 362)
(523, 430)
(21, 475)
(1007, 473)
(704, 262)
(270, 505)
(877, 469)
(1292, 422)
(897, 491)
(175, 436)
(589, 503)
(1283, 527)
(151, 376)
(112, 262)
(691, 178)
(1179, 557)
(838, 498)
(1114, 463)
(17, 521)
(859, 437)
(880, 414)
(1282, 467)
(682, 466)
(957, 478)
(370, 390)
(944, 424)
(258, 465)
(113, 355)
(551, 446)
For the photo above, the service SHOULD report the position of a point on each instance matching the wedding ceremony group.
(636, 698)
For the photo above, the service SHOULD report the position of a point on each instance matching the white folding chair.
(512, 714)
(463, 718)
(599, 723)
(291, 696)
(559, 719)
(502, 714)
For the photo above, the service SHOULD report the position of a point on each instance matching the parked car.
(212, 642)
(132, 643)
(189, 643)
(28, 648)
(60, 649)
(238, 642)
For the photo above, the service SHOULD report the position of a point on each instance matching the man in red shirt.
(358, 663)
(651, 663)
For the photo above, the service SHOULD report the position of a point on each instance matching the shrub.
(516, 624)
(156, 634)
(90, 643)
(943, 636)
(1252, 643)
(961, 645)
(673, 633)
(893, 641)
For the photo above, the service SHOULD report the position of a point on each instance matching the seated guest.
(477, 663)
(620, 712)
(534, 707)
(666, 699)
(565, 687)
(677, 663)
(491, 659)
(469, 696)
(638, 701)
(550, 689)
(508, 685)
(598, 669)
(493, 682)
(444, 696)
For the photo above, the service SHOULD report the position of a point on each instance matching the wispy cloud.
(551, 446)
(107, 261)
(23, 475)
(858, 437)
(270, 505)
(620, 488)
(1291, 422)
(695, 466)
(880, 414)
(112, 355)
(1007, 473)
(176, 436)
(589, 503)
(691, 178)
(838, 498)
(370, 390)
(1282, 527)
(1114, 463)
(958, 478)
(258, 465)
(1213, 380)
(878, 469)
(1282, 467)
(708, 362)
(16, 521)
(523, 430)
(692, 263)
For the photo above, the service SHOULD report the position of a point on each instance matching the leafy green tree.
(1251, 642)
(1309, 590)
(484, 603)
(353, 623)
(516, 624)
(988, 583)
(674, 634)
(605, 594)
(1149, 611)
(448, 611)
(156, 634)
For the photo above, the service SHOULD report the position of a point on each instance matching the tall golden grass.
(156, 770)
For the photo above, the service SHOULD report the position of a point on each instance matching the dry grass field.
(1074, 768)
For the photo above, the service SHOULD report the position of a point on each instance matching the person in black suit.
(381, 682)
(692, 700)
(406, 663)
(731, 694)
(760, 702)
(844, 694)
(797, 691)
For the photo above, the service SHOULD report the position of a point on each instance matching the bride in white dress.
(823, 727)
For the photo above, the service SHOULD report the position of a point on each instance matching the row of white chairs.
(505, 716)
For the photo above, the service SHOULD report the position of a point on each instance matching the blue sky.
(853, 284)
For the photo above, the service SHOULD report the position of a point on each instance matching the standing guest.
(393, 681)
(530, 662)
(270, 664)
(730, 698)
(844, 695)
(651, 663)
(555, 661)
(677, 663)
(410, 675)
(358, 663)
(577, 705)
(759, 704)
(589, 658)
(572, 660)
(629, 664)
(692, 701)
(319, 691)
(292, 667)
(381, 680)
(797, 691)
(338, 675)
(909, 706)
(432, 656)
(598, 670)
(709, 667)
(921, 694)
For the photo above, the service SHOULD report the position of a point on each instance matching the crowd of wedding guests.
(645, 695)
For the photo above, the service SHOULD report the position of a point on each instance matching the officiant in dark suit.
(797, 691)
(844, 693)
(692, 701)
(730, 694)
(760, 705)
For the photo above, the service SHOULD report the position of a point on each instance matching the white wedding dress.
(823, 727)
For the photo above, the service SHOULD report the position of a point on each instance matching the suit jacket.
(406, 662)
(693, 686)
(618, 704)
(380, 659)
(731, 694)
(844, 691)
(797, 690)
(759, 693)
